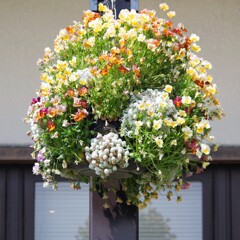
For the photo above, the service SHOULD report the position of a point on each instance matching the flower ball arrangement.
(121, 91)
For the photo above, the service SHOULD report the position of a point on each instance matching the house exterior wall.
(27, 27)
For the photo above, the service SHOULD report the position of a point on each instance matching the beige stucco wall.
(28, 26)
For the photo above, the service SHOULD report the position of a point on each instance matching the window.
(62, 214)
(166, 220)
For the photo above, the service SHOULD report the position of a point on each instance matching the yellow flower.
(102, 8)
(196, 47)
(192, 73)
(82, 81)
(171, 14)
(163, 6)
(174, 124)
(212, 89)
(200, 128)
(168, 88)
(180, 120)
(182, 113)
(209, 78)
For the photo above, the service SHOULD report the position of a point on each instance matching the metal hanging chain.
(111, 4)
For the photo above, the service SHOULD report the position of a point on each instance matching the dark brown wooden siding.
(16, 202)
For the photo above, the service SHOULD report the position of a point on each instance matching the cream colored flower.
(141, 37)
(168, 88)
(182, 113)
(171, 14)
(157, 124)
(138, 124)
(163, 6)
(205, 148)
(186, 100)
(194, 37)
(212, 89)
(187, 132)
(159, 142)
(180, 121)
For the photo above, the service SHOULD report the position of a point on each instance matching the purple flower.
(40, 157)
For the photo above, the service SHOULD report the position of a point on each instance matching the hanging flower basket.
(124, 98)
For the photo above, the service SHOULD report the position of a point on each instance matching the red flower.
(122, 69)
(42, 113)
(177, 101)
(83, 103)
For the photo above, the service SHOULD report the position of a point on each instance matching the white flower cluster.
(106, 154)
(147, 108)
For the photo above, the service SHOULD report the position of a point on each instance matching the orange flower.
(70, 92)
(136, 70)
(82, 91)
(51, 125)
(81, 114)
(104, 72)
(52, 112)
(70, 29)
(199, 83)
(122, 69)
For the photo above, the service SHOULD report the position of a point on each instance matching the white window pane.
(164, 220)
(61, 214)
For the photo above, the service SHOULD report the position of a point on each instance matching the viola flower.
(82, 91)
(194, 38)
(163, 6)
(70, 93)
(50, 125)
(34, 101)
(186, 100)
(65, 123)
(52, 112)
(55, 100)
(42, 113)
(40, 157)
(177, 101)
(171, 14)
(80, 115)
(205, 148)
(168, 88)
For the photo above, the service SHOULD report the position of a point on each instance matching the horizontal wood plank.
(22, 154)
